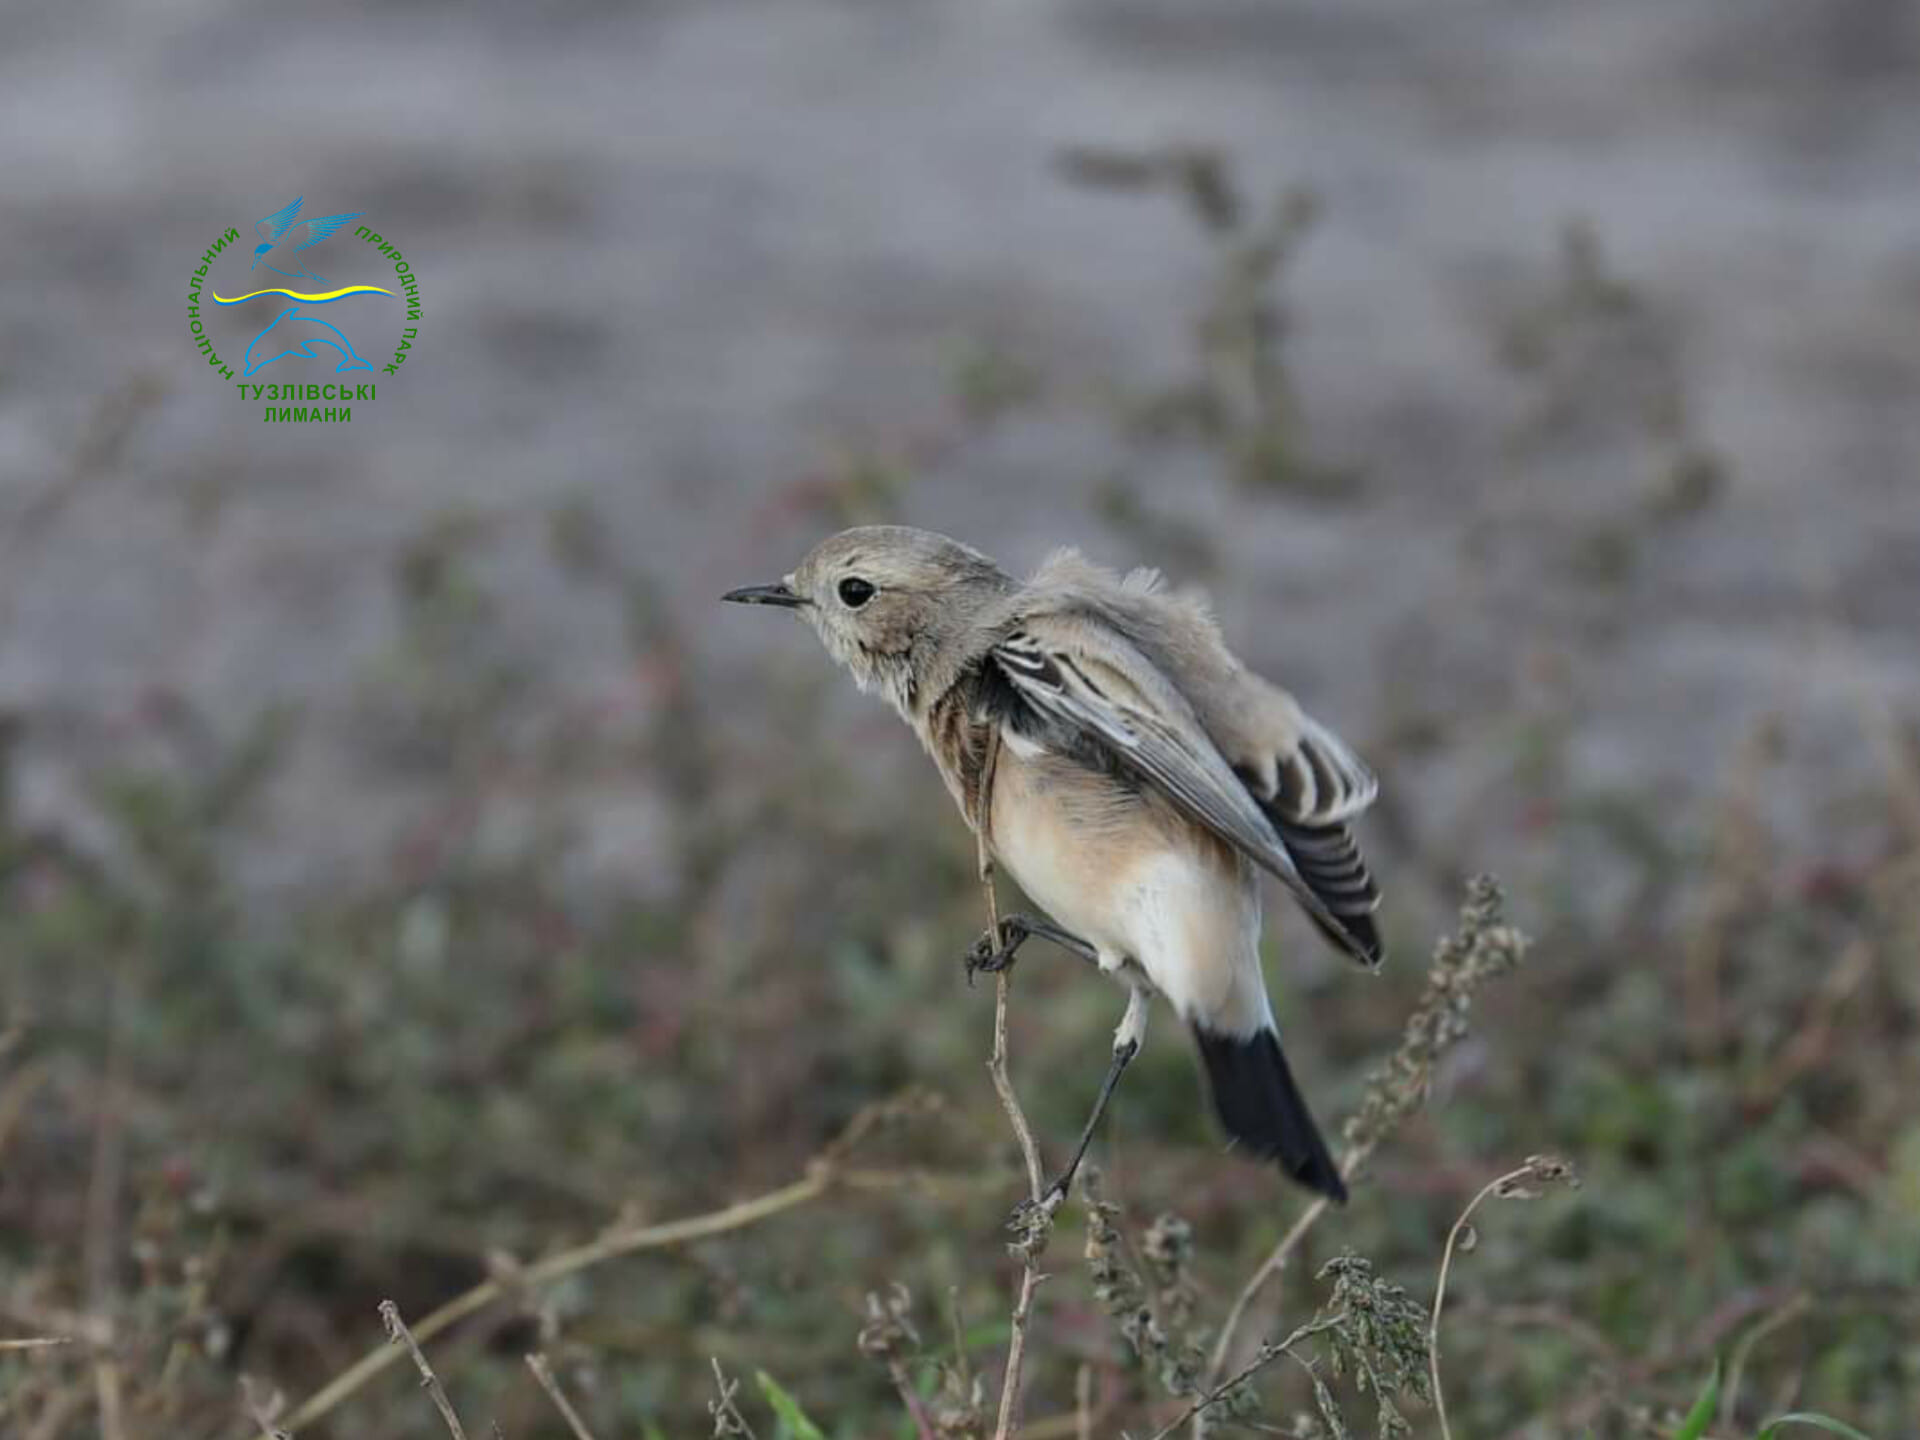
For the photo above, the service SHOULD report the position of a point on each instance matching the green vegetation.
(479, 1078)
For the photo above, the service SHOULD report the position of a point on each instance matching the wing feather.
(1090, 681)
(321, 228)
(275, 225)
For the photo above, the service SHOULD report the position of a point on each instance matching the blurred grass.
(230, 1126)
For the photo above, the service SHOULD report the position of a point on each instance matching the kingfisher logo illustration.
(288, 336)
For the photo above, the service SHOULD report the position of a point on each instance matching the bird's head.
(258, 251)
(888, 601)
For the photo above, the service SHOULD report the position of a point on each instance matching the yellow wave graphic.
(319, 299)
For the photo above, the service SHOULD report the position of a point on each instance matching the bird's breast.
(1121, 868)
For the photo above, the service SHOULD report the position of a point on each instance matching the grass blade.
(1701, 1415)
(1818, 1422)
(788, 1409)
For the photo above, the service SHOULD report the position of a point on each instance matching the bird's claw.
(1031, 1213)
(993, 953)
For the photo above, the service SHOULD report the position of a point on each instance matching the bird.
(273, 232)
(1131, 775)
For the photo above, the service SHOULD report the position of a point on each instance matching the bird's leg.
(993, 953)
(1126, 1044)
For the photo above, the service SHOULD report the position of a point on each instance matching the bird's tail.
(1263, 1110)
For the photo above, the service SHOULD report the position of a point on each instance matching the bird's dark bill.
(765, 595)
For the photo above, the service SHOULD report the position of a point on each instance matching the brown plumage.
(1142, 775)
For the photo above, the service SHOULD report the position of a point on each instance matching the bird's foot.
(1032, 1221)
(994, 953)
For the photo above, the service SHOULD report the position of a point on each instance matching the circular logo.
(309, 347)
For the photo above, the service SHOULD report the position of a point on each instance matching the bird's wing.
(1308, 774)
(320, 229)
(1091, 687)
(1306, 780)
(275, 225)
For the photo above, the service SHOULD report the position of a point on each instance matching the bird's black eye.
(855, 592)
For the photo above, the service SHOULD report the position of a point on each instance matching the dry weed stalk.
(1036, 1218)
(543, 1373)
(1482, 946)
(1269, 1352)
(823, 1173)
(1540, 1170)
(398, 1334)
(728, 1422)
(890, 1341)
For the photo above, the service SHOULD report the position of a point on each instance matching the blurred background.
(407, 869)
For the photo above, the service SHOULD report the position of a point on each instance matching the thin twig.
(1481, 947)
(818, 1180)
(1265, 1356)
(1003, 1085)
(1030, 1263)
(1030, 1276)
(261, 1409)
(1275, 1262)
(1811, 1042)
(108, 1396)
(35, 1342)
(544, 1374)
(725, 1405)
(1440, 1292)
(398, 1334)
(1083, 1402)
(909, 1397)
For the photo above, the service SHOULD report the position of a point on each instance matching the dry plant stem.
(1268, 1353)
(398, 1334)
(543, 1373)
(260, 1410)
(1009, 1419)
(1274, 1264)
(36, 1342)
(106, 1386)
(1512, 1177)
(1083, 1403)
(1030, 1267)
(818, 1180)
(725, 1404)
(916, 1408)
(1814, 1038)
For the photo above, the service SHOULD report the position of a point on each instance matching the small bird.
(1131, 775)
(273, 233)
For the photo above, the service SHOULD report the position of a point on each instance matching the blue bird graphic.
(278, 230)
(298, 333)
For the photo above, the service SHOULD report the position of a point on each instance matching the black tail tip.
(1262, 1109)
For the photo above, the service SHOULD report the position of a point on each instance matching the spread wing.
(318, 230)
(1089, 688)
(275, 225)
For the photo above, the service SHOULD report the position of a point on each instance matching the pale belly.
(1148, 889)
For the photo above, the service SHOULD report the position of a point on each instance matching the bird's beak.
(766, 595)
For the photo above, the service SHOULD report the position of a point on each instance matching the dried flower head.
(888, 1334)
(1482, 947)
(1381, 1339)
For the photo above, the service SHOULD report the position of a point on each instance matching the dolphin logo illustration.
(284, 236)
(300, 335)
